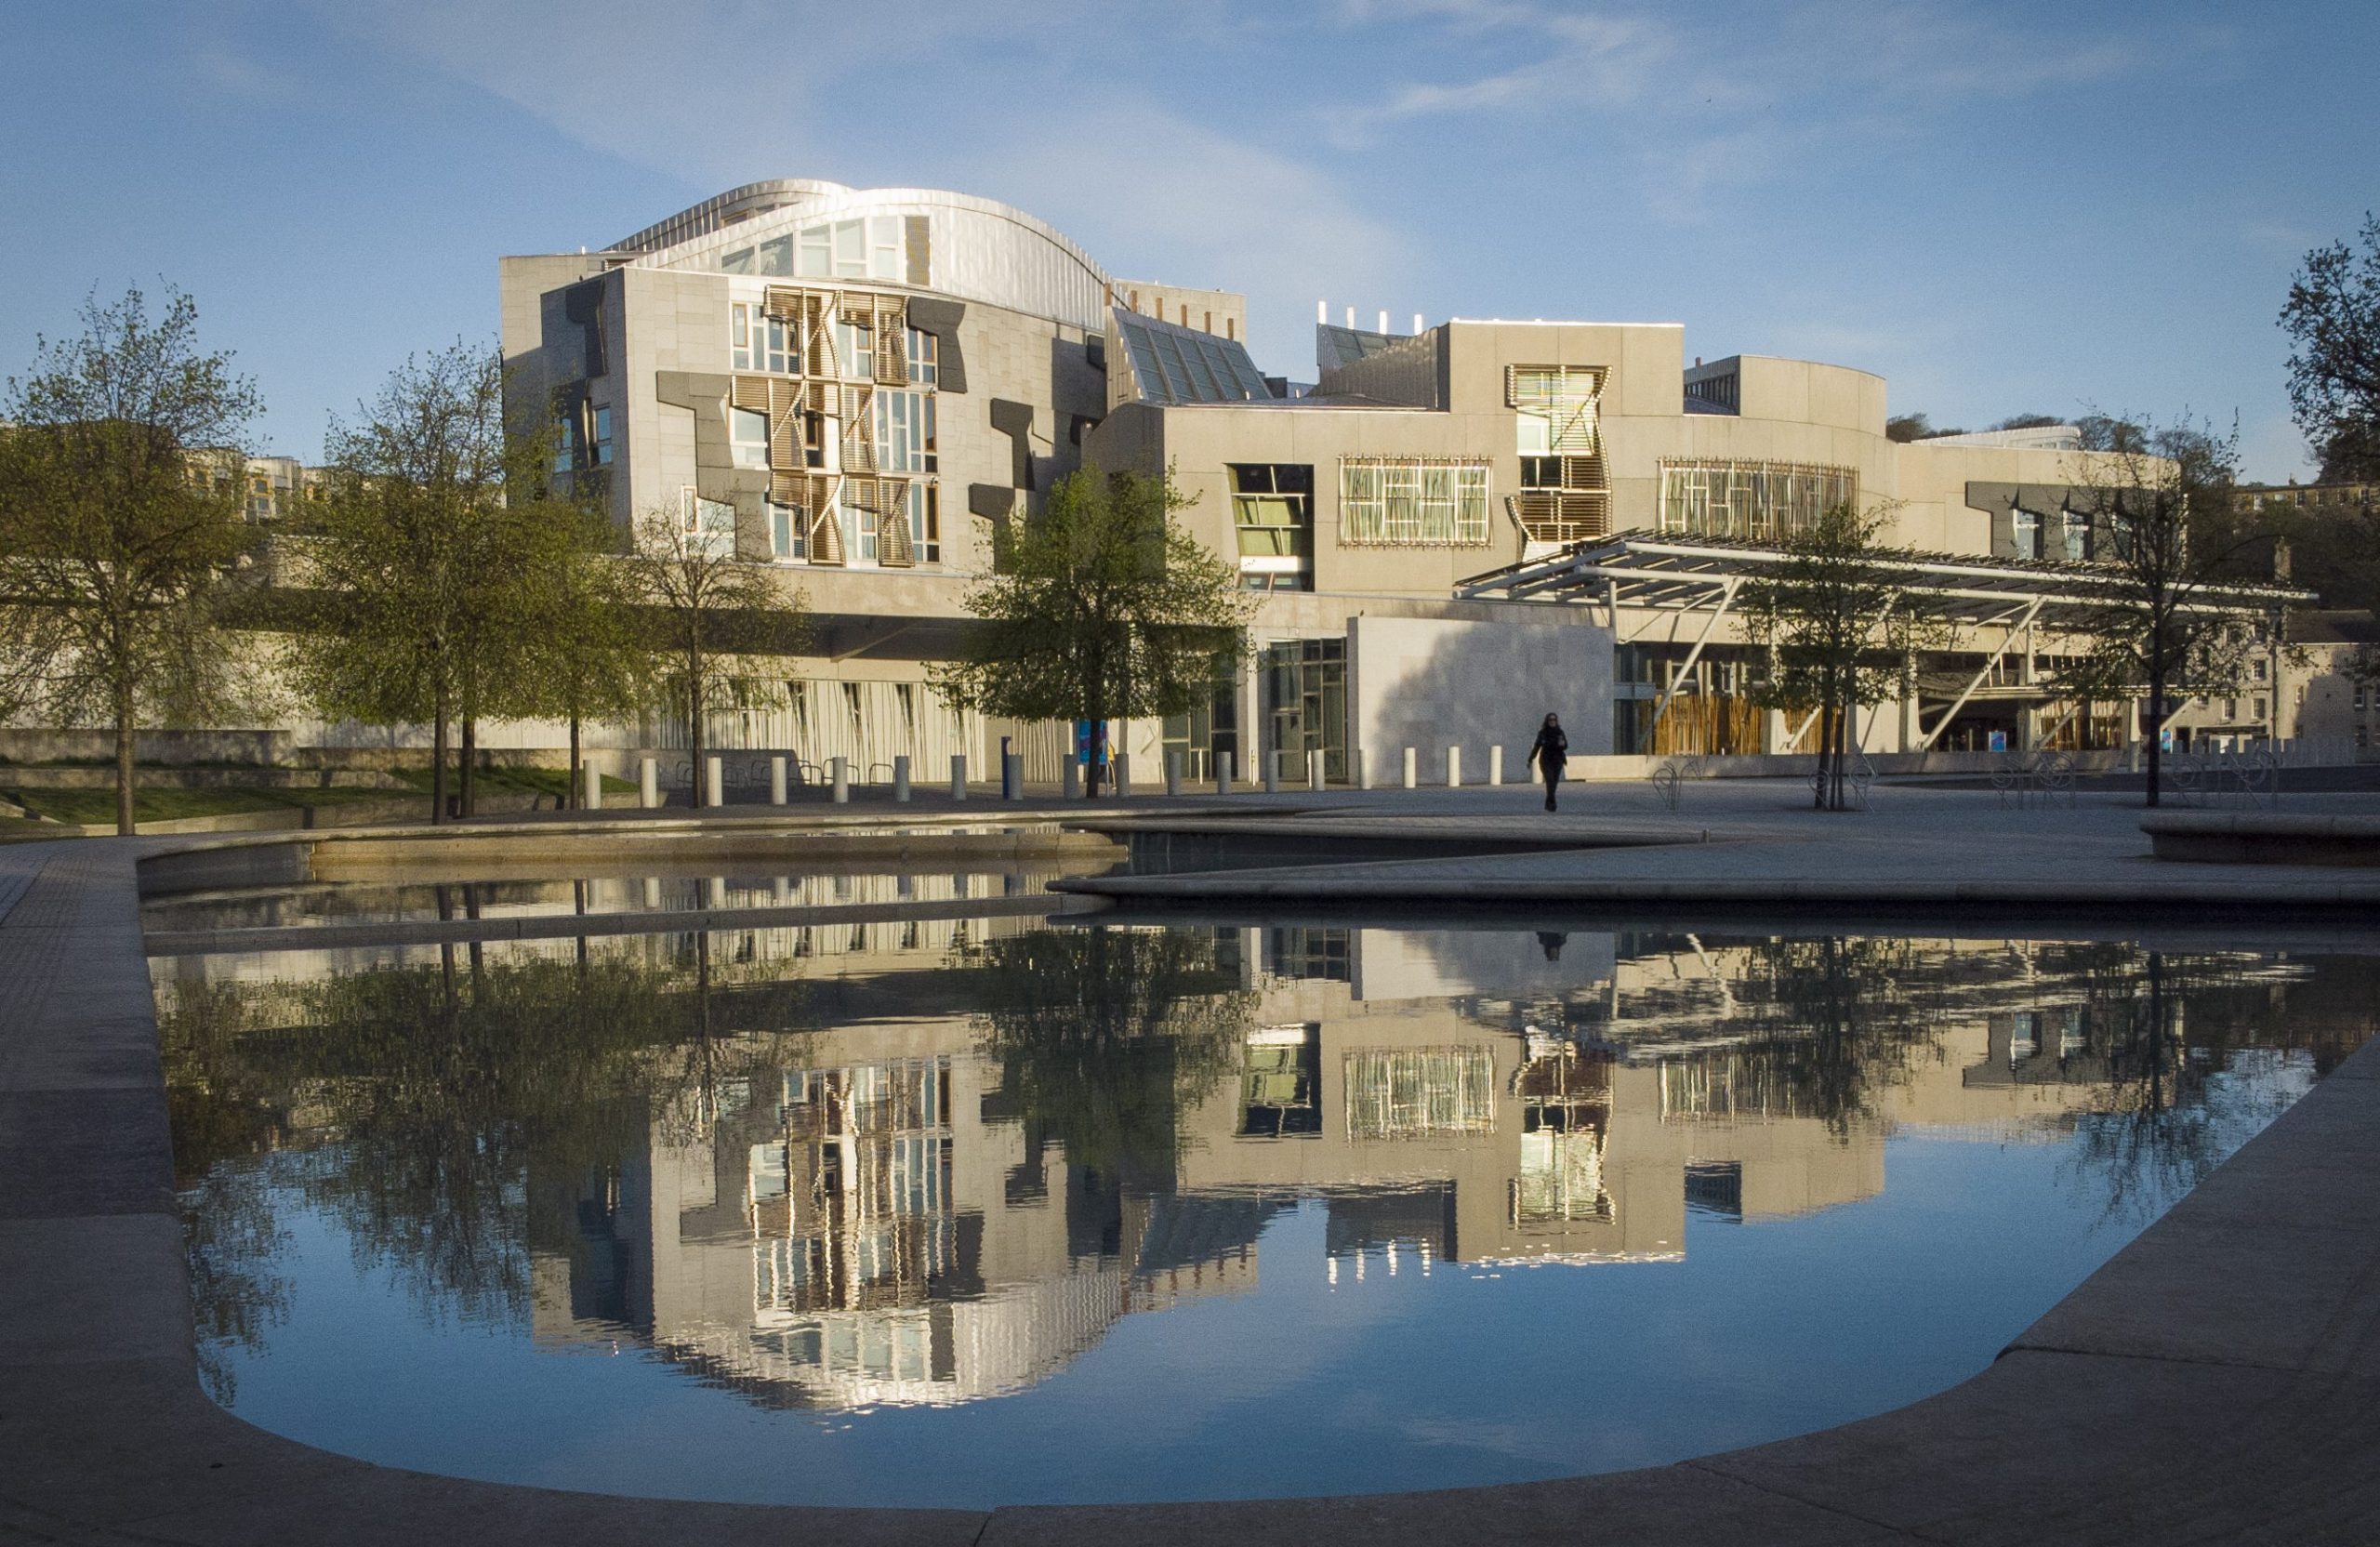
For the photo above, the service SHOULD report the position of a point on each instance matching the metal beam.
(1662, 705)
(1926, 742)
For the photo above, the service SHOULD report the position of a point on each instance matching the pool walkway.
(2216, 1381)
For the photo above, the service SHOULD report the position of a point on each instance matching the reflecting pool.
(993, 1210)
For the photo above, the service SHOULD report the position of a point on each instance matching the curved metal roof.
(984, 250)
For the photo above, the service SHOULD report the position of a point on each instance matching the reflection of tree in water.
(436, 1083)
(1838, 1022)
(1102, 1034)
(2194, 1047)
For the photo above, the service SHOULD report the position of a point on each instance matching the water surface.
(992, 1212)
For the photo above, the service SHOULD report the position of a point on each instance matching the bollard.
(1070, 779)
(1273, 771)
(1313, 761)
(1173, 772)
(1222, 772)
(1454, 768)
(776, 781)
(648, 782)
(1496, 763)
(841, 770)
(593, 776)
(781, 890)
(1121, 775)
(1359, 775)
(714, 783)
(651, 883)
(1011, 775)
(901, 780)
(714, 891)
(958, 775)
(1412, 769)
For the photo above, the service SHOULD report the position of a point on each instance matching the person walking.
(1551, 752)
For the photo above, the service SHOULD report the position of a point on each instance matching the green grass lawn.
(537, 781)
(160, 806)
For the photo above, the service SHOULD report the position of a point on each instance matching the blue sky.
(1999, 208)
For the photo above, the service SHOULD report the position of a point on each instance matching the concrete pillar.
(777, 780)
(714, 783)
(840, 770)
(1012, 776)
(1120, 775)
(648, 782)
(1070, 778)
(1454, 768)
(1359, 774)
(1173, 772)
(1222, 772)
(958, 775)
(1412, 768)
(591, 796)
(1314, 764)
(901, 779)
(1273, 771)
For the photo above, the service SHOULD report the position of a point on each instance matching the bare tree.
(2177, 613)
(122, 489)
(705, 613)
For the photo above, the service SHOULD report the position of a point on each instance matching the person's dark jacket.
(1550, 751)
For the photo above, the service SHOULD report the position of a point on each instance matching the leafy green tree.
(1105, 608)
(2177, 550)
(588, 656)
(430, 542)
(122, 488)
(2332, 320)
(1839, 632)
(706, 615)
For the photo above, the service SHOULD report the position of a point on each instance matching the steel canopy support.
(1710, 626)
(2008, 636)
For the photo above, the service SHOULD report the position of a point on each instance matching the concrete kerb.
(2091, 1440)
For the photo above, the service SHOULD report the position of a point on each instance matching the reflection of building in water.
(888, 1224)
(877, 1231)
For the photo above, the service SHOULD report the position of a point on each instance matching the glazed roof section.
(1175, 365)
(1678, 571)
(981, 249)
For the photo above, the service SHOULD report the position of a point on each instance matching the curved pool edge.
(2218, 1378)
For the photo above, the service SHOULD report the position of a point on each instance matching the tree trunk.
(695, 791)
(2156, 731)
(438, 760)
(123, 824)
(570, 779)
(471, 765)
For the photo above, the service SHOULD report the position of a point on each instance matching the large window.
(710, 525)
(925, 358)
(786, 537)
(759, 343)
(1272, 506)
(855, 343)
(600, 442)
(904, 432)
(2027, 529)
(925, 522)
(1433, 502)
(1754, 501)
(867, 248)
(748, 435)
